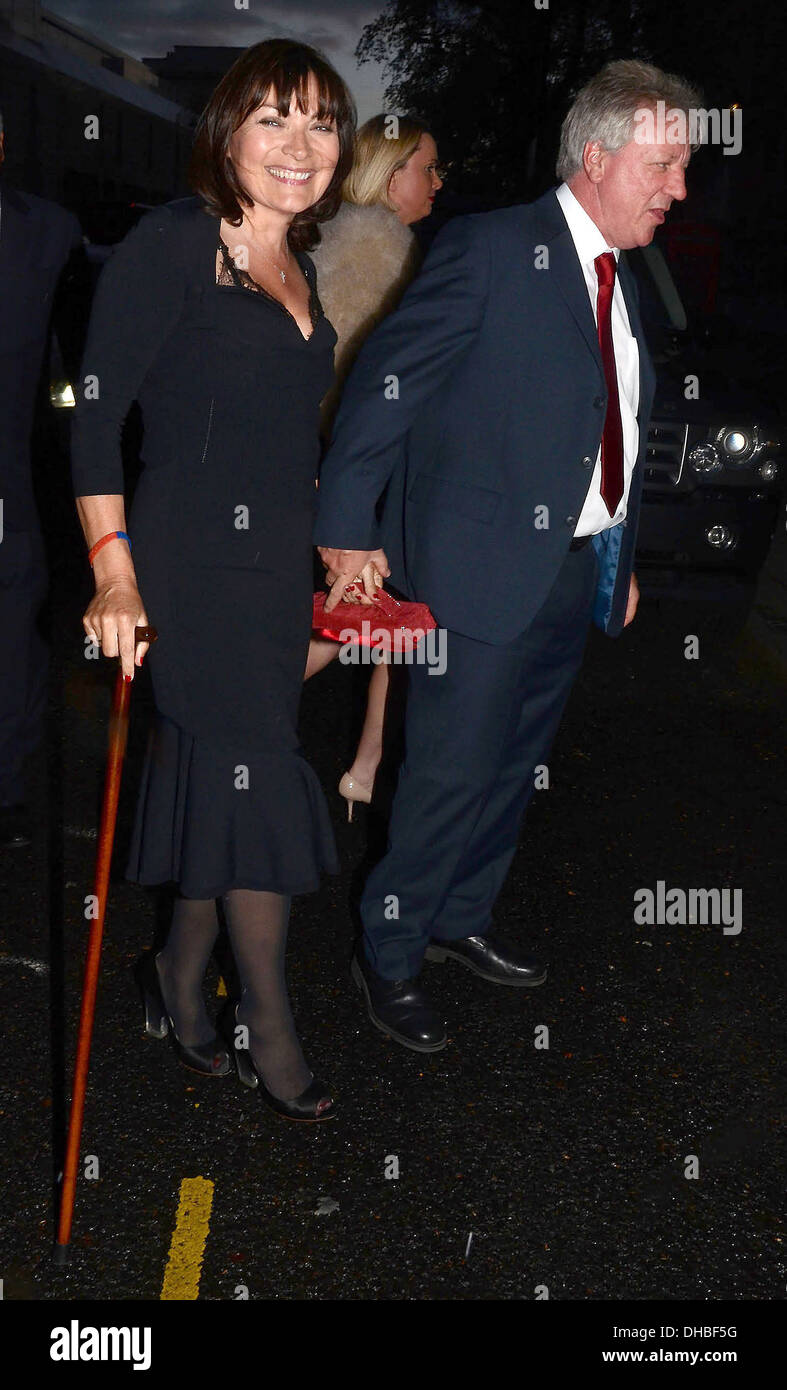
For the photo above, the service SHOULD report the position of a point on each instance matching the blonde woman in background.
(366, 259)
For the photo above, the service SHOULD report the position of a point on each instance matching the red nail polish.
(127, 679)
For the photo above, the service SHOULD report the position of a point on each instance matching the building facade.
(189, 72)
(85, 124)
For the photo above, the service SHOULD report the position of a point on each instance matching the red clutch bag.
(394, 625)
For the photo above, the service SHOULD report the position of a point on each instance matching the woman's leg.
(181, 967)
(321, 653)
(257, 924)
(370, 745)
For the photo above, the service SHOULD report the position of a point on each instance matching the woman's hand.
(366, 582)
(346, 569)
(109, 621)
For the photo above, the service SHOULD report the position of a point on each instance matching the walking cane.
(118, 733)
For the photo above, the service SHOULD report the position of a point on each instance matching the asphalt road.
(518, 1167)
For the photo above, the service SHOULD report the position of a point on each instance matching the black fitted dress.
(221, 527)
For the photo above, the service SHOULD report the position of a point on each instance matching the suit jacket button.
(587, 461)
(599, 402)
(571, 521)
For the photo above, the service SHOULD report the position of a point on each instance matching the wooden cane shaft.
(118, 733)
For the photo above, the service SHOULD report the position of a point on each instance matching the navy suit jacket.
(36, 239)
(475, 405)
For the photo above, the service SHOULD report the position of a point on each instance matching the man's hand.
(633, 600)
(348, 567)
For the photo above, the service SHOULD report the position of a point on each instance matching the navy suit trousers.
(473, 736)
(23, 657)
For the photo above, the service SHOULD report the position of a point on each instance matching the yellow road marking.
(187, 1247)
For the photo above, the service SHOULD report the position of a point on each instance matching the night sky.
(148, 28)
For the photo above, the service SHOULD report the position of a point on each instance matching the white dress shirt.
(589, 243)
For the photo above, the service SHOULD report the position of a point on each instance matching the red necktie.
(612, 438)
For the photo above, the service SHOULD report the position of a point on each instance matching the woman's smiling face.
(286, 163)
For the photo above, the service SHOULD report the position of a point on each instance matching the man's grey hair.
(606, 107)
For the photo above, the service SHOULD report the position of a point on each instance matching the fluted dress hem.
(210, 819)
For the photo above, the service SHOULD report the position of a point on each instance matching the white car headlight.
(738, 446)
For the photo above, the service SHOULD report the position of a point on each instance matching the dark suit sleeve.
(68, 312)
(398, 372)
(138, 302)
(74, 233)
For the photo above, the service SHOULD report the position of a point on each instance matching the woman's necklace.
(282, 273)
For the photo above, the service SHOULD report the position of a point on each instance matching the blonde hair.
(382, 145)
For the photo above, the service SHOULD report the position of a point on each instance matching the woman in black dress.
(208, 315)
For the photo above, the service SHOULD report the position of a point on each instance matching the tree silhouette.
(494, 78)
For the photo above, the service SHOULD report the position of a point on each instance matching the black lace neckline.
(230, 274)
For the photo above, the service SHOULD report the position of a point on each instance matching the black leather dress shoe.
(399, 1008)
(491, 958)
(15, 827)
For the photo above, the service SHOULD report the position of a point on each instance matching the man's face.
(634, 189)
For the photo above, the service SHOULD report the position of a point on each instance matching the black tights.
(257, 924)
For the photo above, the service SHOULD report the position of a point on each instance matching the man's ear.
(593, 158)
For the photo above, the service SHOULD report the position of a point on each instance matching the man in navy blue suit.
(488, 458)
(36, 240)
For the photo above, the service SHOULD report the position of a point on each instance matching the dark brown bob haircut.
(286, 68)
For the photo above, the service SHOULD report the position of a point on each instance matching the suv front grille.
(665, 453)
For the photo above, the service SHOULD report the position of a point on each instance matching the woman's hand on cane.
(110, 618)
(116, 607)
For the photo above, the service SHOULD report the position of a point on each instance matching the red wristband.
(110, 536)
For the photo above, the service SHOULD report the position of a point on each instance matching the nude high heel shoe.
(352, 790)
